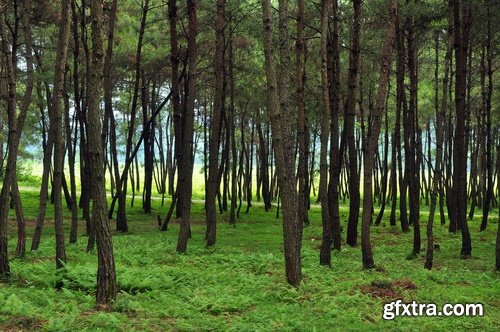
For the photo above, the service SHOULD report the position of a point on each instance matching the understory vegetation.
(239, 284)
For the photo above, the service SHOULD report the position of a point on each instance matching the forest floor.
(239, 285)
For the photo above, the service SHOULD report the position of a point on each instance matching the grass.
(239, 285)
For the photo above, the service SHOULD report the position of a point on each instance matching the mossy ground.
(239, 284)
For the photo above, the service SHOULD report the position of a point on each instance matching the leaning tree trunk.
(15, 128)
(383, 84)
(106, 277)
(121, 217)
(21, 239)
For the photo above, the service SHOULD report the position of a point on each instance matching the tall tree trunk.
(349, 122)
(461, 43)
(57, 132)
(185, 180)
(301, 117)
(282, 138)
(232, 125)
(121, 218)
(12, 143)
(440, 121)
(106, 277)
(26, 102)
(213, 153)
(489, 139)
(325, 254)
(411, 137)
(108, 96)
(383, 84)
(401, 109)
(335, 154)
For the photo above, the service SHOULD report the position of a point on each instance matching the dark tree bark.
(106, 277)
(385, 170)
(497, 264)
(213, 153)
(56, 126)
(401, 107)
(411, 139)
(349, 122)
(108, 97)
(444, 109)
(263, 168)
(489, 139)
(440, 121)
(325, 253)
(121, 218)
(461, 43)
(71, 165)
(383, 84)
(301, 117)
(12, 143)
(278, 105)
(16, 197)
(232, 125)
(335, 154)
(148, 129)
(185, 179)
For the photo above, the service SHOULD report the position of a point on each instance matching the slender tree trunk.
(106, 277)
(16, 197)
(12, 143)
(213, 153)
(108, 97)
(121, 218)
(71, 166)
(440, 121)
(383, 84)
(489, 139)
(349, 122)
(385, 171)
(278, 105)
(301, 117)
(57, 130)
(497, 264)
(461, 29)
(185, 180)
(335, 154)
(412, 140)
(325, 254)
(401, 109)
(232, 125)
